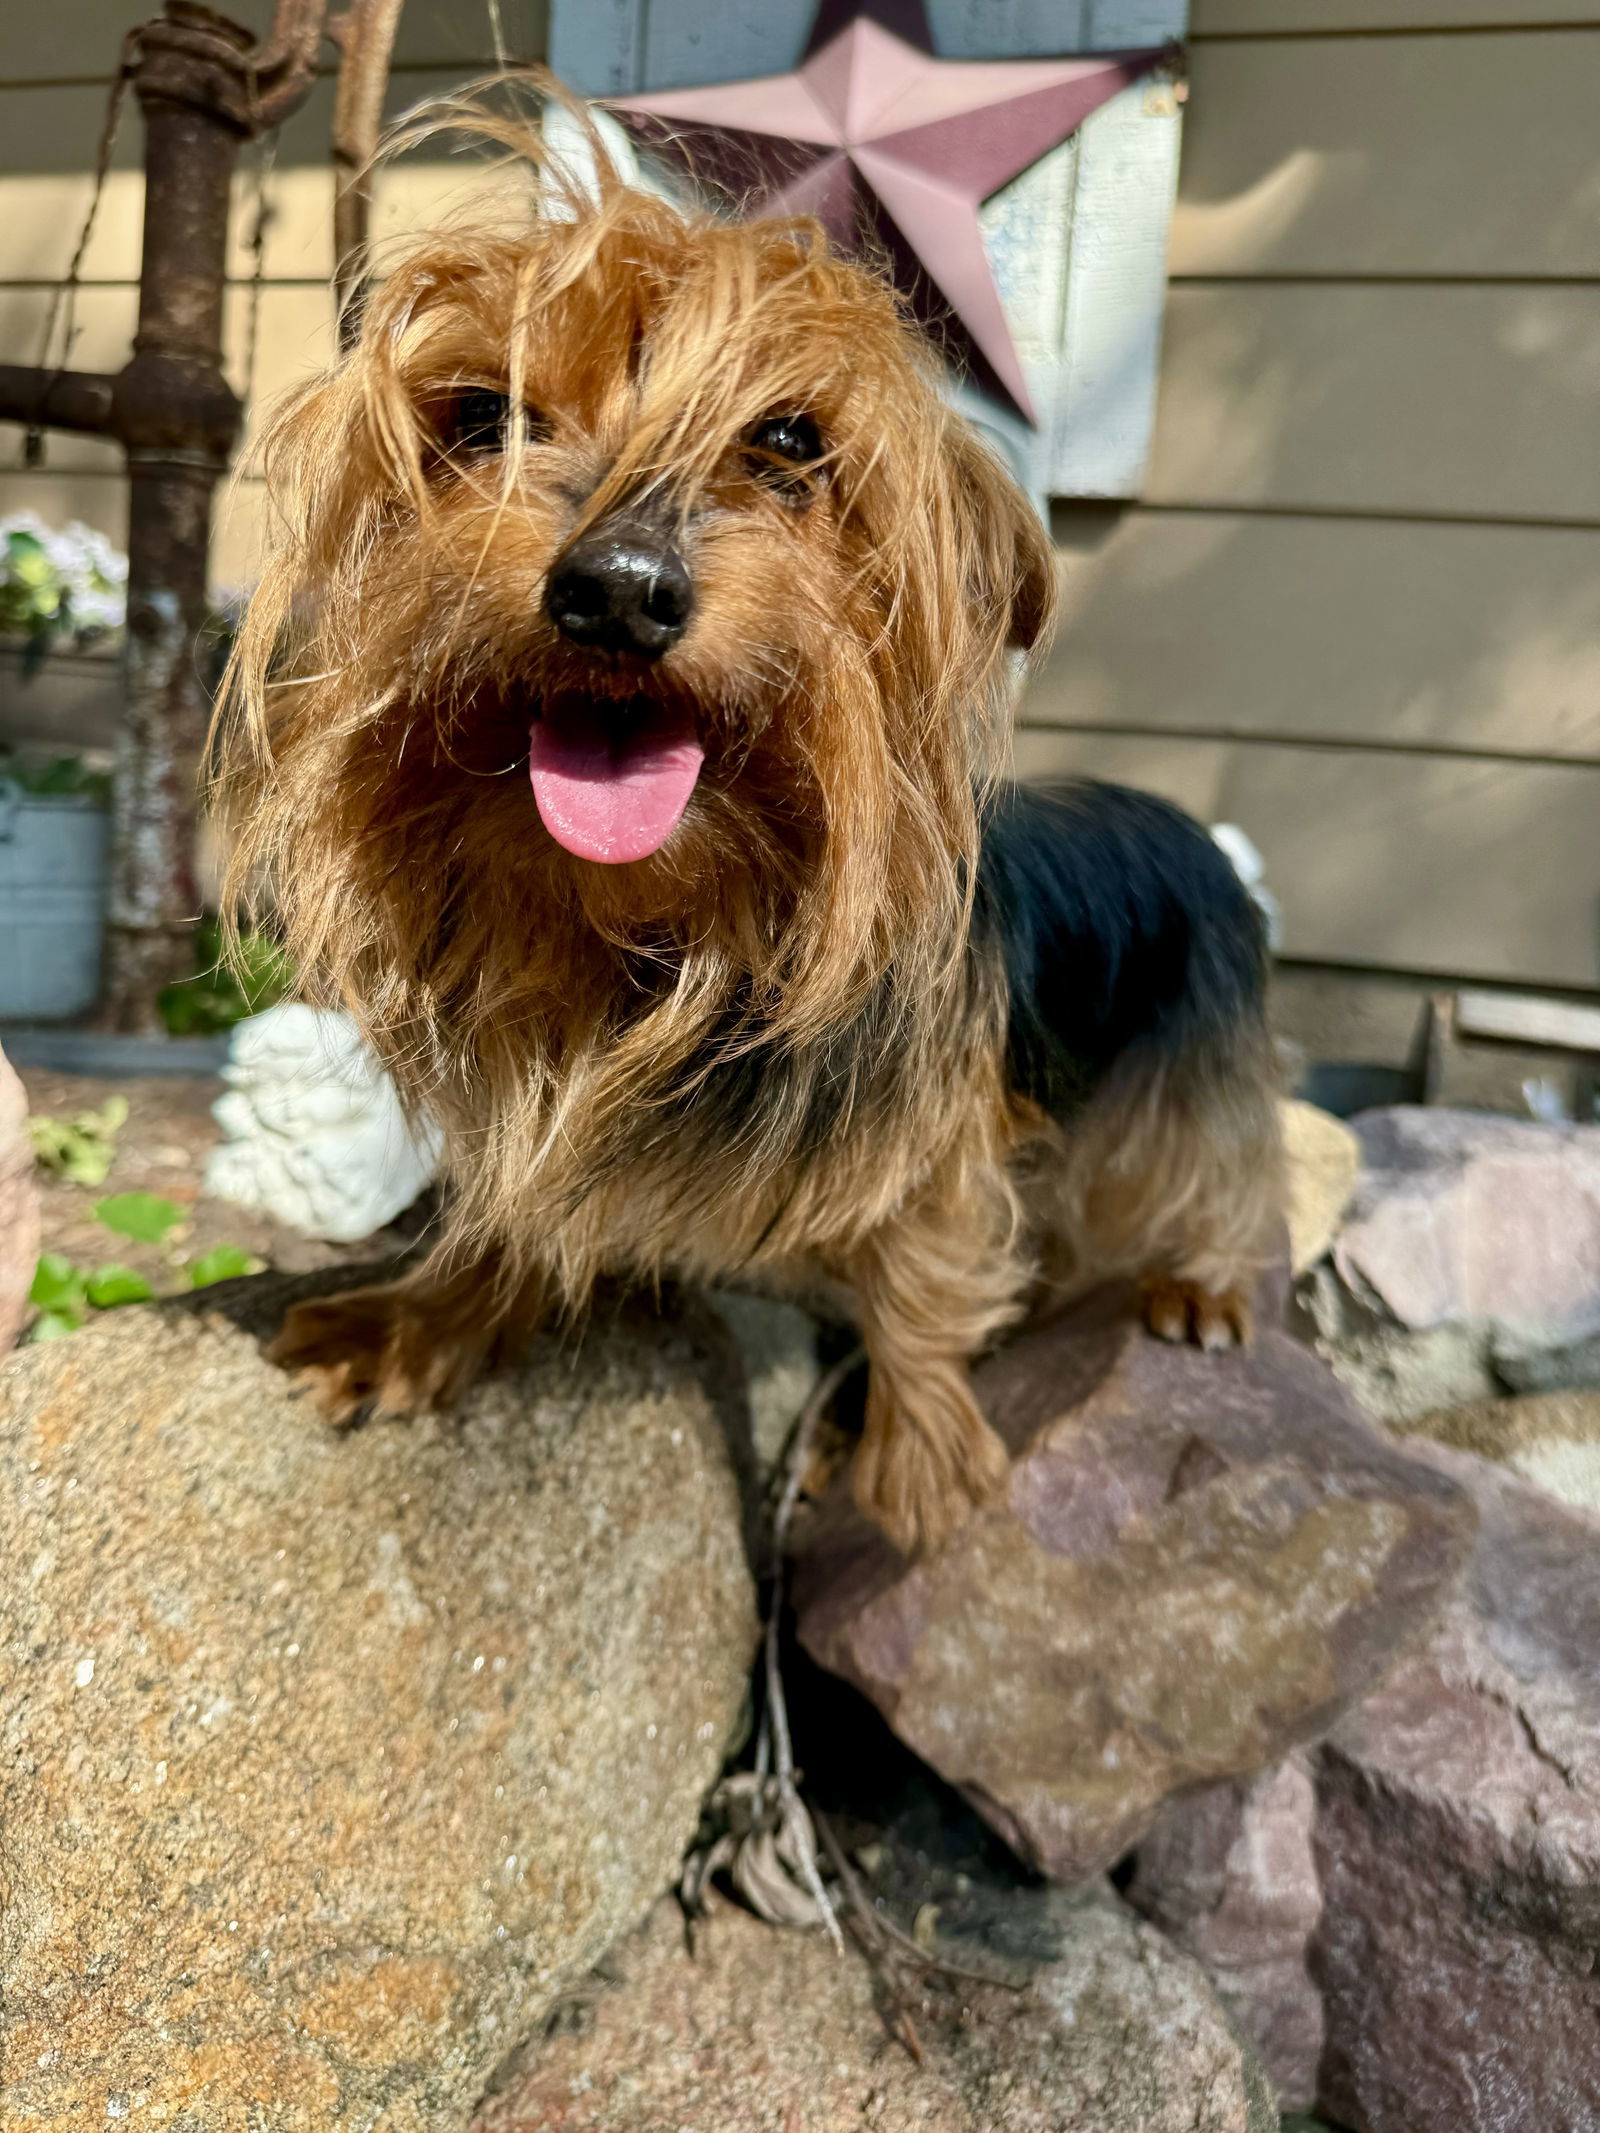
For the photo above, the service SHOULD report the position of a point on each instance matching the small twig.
(908, 2032)
(793, 1464)
(365, 36)
(265, 162)
(896, 1942)
(775, 1734)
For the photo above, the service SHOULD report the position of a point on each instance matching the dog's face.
(663, 518)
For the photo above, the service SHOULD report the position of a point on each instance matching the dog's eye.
(795, 438)
(477, 422)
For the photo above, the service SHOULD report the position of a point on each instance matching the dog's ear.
(1014, 556)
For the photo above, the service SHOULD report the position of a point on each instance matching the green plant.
(143, 1216)
(60, 1294)
(79, 1149)
(54, 777)
(224, 1262)
(65, 1295)
(111, 1285)
(222, 993)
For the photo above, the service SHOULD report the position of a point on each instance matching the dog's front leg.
(411, 1344)
(932, 1288)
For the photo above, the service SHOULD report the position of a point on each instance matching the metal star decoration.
(890, 149)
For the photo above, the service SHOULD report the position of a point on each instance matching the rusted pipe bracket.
(193, 55)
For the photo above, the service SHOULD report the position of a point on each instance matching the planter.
(52, 903)
(111, 1057)
(70, 704)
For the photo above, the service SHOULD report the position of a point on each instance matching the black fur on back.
(1123, 931)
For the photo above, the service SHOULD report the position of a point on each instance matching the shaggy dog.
(617, 734)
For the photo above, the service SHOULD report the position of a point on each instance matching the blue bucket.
(53, 855)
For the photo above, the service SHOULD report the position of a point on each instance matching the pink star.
(871, 131)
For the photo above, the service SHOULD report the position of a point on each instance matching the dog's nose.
(621, 589)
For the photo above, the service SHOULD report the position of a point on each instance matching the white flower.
(88, 574)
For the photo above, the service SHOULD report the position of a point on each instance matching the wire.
(266, 161)
(63, 310)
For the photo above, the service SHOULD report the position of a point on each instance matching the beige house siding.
(1357, 609)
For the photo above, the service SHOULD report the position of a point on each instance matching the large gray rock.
(764, 2031)
(327, 1761)
(1200, 1561)
(1448, 1932)
(1468, 1262)
(19, 1206)
(777, 1346)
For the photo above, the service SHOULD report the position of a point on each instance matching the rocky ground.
(1242, 1760)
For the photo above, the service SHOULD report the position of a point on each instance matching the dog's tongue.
(612, 799)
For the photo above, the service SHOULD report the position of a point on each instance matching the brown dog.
(766, 974)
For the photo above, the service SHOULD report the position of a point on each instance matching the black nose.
(621, 588)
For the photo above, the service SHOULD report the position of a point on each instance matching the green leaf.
(144, 1216)
(229, 984)
(57, 1285)
(224, 1262)
(108, 1286)
(79, 1149)
(111, 1117)
(50, 1325)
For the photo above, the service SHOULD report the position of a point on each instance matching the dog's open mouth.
(612, 779)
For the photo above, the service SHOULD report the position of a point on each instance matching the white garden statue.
(312, 1130)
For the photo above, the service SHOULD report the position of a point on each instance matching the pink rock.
(1201, 1561)
(1231, 1875)
(19, 1207)
(1460, 1216)
(1454, 1818)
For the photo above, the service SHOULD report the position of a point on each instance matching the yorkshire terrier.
(768, 975)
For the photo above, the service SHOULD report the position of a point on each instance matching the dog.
(618, 732)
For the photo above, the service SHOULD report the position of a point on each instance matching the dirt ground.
(162, 1149)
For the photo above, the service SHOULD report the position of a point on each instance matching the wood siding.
(1357, 610)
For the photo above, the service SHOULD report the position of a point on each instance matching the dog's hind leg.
(1173, 1175)
(933, 1286)
(412, 1344)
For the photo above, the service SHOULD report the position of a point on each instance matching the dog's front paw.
(373, 1351)
(1184, 1312)
(920, 1484)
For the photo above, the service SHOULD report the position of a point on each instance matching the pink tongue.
(612, 803)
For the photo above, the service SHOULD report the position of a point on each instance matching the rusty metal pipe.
(204, 87)
(57, 400)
